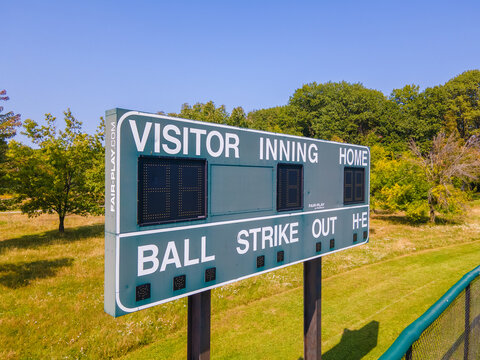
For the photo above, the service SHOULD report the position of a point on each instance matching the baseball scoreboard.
(190, 205)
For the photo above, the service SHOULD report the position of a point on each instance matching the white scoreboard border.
(118, 235)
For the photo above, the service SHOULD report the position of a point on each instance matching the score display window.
(353, 185)
(171, 190)
(289, 187)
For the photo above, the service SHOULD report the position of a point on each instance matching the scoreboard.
(190, 205)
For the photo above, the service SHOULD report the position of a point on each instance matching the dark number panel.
(353, 185)
(171, 190)
(289, 187)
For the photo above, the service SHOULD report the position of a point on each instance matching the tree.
(397, 184)
(210, 113)
(450, 163)
(204, 112)
(238, 118)
(463, 104)
(344, 111)
(421, 113)
(279, 119)
(8, 126)
(61, 175)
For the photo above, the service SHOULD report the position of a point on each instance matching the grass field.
(51, 295)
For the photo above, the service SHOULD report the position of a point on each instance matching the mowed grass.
(51, 295)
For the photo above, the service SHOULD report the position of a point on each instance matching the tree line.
(425, 146)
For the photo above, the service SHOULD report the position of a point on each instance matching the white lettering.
(284, 151)
(356, 221)
(271, 149)
(302, 151)
(242, 241)
(198, 135)
(185, 141)
(186, 254)
(206, 258)
(364, 219)
(350, 157)
(283, 234)
(293, 231)
(113, 143)
(287, 150)
(171, 139)
(261, 148)
(324, 226)
(156, 146)
(174, 259)
(265, 237)
(140, 144)
(232, 145)
(254, 232)
(209, 143)
(355, 157)
(313, 154)
(343, 155)
(142, 259)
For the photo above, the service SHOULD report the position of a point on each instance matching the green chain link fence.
(450, 329)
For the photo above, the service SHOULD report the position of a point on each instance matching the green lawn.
(51, 295)
(364, 310)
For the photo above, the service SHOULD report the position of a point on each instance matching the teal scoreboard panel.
(191, 206)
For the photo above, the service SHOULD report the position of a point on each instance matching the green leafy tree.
(420, 113)
(204, 112)
(210, 113)
(279, 119)
(8, 126)
(238, 117)
(61, 175)
(452, 108)
(462, 112)
(398, 184)
(344, 111)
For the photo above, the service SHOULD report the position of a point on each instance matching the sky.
(91, 56)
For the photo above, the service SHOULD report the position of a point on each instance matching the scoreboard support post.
(199, 315)
(312, 309)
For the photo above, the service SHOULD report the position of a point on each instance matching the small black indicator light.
(260, 261)
(280, 256)
(142, 292)
(354, 237)
(179, 282)
(210, 274)
(365, 235)
(318, 246)
(332, 243)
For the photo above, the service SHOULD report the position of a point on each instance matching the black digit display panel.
(171, 190)
(289, 187)
(353, 185)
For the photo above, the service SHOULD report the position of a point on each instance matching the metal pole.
(198, 338)
(467, 323)
(312, 309)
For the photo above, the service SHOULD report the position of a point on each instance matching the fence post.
(467, 323)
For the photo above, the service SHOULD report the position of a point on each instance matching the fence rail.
(450, 329)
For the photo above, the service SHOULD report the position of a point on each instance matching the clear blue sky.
(156, 55)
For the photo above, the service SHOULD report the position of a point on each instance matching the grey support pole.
(312, 309)
(198, 338)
